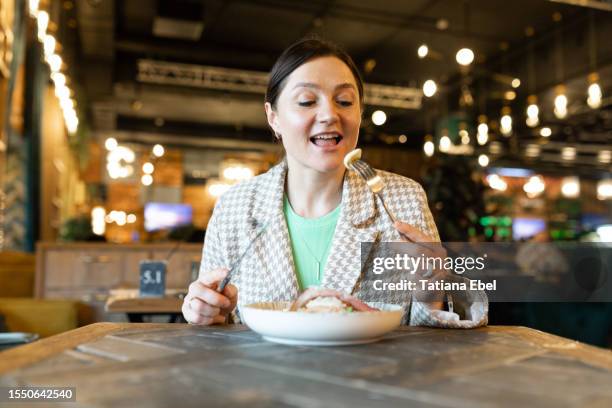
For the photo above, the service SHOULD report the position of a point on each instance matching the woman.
(308, 216)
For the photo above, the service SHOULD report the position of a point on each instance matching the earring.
(278, 135)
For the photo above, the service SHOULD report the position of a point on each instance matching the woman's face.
(318, 114)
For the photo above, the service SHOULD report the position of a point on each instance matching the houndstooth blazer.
(267, 272)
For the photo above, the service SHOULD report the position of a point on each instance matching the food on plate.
(321, 300)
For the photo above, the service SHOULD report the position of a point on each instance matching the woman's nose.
(327, 112)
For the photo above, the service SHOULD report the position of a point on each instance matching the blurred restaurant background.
(123, 122)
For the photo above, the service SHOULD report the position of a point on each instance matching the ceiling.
(382, 37)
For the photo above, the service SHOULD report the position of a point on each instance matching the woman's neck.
(313, 194)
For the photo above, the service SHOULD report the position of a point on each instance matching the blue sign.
(152, 278)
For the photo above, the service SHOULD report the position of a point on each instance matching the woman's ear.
(272, 117)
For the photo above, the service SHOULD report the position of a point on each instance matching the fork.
(376, 185)
(228, 277)
(373, 181)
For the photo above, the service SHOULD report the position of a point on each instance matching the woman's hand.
(428, 247)
(204, 305)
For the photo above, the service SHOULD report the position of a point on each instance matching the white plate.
(17, 337)
(320, 329)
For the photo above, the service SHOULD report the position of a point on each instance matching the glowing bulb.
(98, 224)
(532, 121)
(62, 92)
(429, 148)
(445, 143)
(604, 156)
(595, 95)
(570, 187)
(59, 79)
(55, 63)
(483, 160)
(506, 125)
(604, 189)
(534, 186)
(545, 132)
(516, 83)
(423, 51)
(402, 138)
(131, 218)
(49, 45)
(532, 150)
(146, 180)
(42, 21)
(158, 150)
(379, 117)
(533, 110)
(465, 56)
(568, 153)
(560, 106)
(496, 182)
(111, 144)
(429, 88)
(483, 134)
(33, 7)
(148, 168)
(67, 104)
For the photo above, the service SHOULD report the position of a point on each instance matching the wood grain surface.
(160, 365)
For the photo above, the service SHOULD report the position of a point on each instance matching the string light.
(430, 88)
(533, 111)
(545, 132)
(146, 179)
(534, 186)
(594, 92)
(429, 147)
(496, 182)
(42, 22)
(568, 153)
(55, 62)
(423, 51)
(465, 56)
(570, 187)
(560, 103)
(482, 136)
(445, 143)
(604, 156)
(111, 144)
(379, 117)
(604, 189)
(158, 150)
(148, 168)
(506, 121)
(483, 160)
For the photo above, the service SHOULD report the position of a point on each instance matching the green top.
(310, 243)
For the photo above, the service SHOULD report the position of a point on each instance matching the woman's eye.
(345, 103)
(306, 103)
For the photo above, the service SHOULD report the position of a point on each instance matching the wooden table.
(161, 365)
(129, 302)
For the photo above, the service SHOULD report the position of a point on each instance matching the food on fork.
(322, 300)
(352, 156)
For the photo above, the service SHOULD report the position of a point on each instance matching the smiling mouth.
(326, 139)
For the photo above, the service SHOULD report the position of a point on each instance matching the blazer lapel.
(274, 253)
(355, 225)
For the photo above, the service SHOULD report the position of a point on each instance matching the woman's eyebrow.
(313, 85)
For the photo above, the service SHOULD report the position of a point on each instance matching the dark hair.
(300, 53)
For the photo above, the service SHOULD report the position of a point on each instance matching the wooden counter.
(160, 365)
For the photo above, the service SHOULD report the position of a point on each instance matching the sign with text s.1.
(152, 278)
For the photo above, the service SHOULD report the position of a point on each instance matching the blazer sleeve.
(470, 308)
(214, 254)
